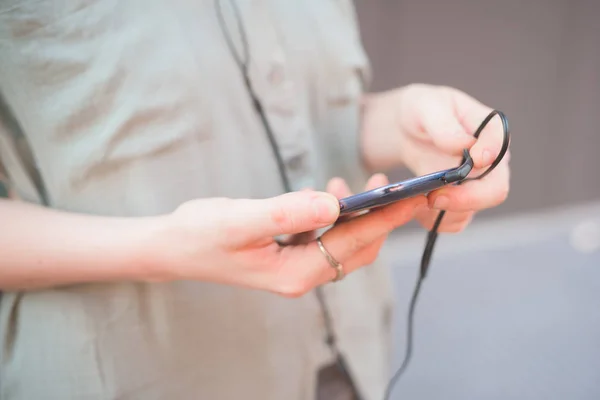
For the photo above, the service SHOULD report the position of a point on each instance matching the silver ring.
(339, 268)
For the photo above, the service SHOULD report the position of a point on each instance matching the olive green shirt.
(132, 107)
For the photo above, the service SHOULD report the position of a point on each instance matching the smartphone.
(401, 190)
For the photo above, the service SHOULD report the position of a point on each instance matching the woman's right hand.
(233, 241)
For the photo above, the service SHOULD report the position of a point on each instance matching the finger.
(440, 122)
(488, 146)
(457, 225)
(365, 256)
(304, 267)
(451, 223)
(358, 243)
(346, 239)
(471, 114)
(474, 195)
(301, 268)
(376, 181)
(290, 213)
(368, 254)
(338, 188)
(299, 274)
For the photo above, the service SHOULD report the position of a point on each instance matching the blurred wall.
(536, 60)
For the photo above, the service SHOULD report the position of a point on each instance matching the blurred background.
(511, 307)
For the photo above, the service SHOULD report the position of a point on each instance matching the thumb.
(290, 213)
(443, 127)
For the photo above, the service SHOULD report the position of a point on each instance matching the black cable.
(428, 251)
(331, 341)
(243, 64)
(409, 338)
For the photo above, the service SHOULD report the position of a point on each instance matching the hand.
(232, 241)
(426, 128)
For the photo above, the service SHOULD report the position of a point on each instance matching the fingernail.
(441, 203)
(487, 157)
(326, 208)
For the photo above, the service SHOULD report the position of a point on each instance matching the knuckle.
(426, 223)
(390, 215)
(354, 242)
(451, 228)
(293, 290)
(471, 202)
(468, 201)
(461, 200)
(287, 283)
(283, 281)
(282, 218)
(394, 216)
(233, 231)
(365, 258)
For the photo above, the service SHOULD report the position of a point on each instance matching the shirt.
(130, 108)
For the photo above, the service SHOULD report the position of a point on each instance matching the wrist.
(155, 249)
(176, 246)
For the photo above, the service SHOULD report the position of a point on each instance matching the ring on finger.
(339, 268)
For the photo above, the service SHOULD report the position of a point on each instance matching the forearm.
(40, 247)
(380, 147)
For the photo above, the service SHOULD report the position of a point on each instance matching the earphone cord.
(431, 237)
(428, 251)
(242, 62)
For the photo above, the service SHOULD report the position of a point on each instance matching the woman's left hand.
(425, 128)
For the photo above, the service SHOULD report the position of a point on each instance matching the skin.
(425, 128)
(231, 241)
(218, 240)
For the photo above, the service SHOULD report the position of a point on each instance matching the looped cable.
(431, 238)
(505, 142)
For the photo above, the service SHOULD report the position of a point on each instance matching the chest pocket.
(343, 76)
(346, 70)
(97, 85)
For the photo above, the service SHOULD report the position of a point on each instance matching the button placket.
(281, 96)
(284, 111)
